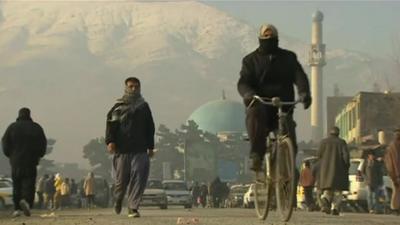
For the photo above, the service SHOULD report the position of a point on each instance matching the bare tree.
(395, 57)
(374, 75)
(396, 53)
(376, 87)
(336, 90)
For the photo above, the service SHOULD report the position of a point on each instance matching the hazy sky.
(357, 25)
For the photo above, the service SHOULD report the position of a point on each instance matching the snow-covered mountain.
(67, 61)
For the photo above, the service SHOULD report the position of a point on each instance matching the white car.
(6, 193)
(154, 195)
(357, 193)
(248, 199)
(178, 193)
(236, 196)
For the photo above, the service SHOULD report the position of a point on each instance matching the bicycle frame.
(276, 102)
(268, 181)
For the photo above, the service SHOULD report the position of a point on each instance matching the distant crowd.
(55, 192)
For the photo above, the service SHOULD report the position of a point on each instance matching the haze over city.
(181, 112)
(67, 60)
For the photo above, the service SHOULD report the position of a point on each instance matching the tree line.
(170, 147)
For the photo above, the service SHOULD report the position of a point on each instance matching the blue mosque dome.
(220, 116)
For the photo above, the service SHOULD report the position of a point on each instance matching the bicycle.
(278, 169)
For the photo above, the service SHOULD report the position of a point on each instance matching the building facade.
(368, 113)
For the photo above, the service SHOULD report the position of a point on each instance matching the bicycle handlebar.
(274, 101)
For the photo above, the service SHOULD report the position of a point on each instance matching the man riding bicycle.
(270, 71)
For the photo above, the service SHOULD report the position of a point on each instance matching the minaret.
(316, 62)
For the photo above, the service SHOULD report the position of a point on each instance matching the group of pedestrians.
(130, 126)
(330, 175)
(129, 138)
(24, 143)
(54, 192)
(212, 195)
(269, 71)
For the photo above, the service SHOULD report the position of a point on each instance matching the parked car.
(6, 178)
(6, 193)
(236, 196)
(154, 195)
(177, 193)
(357, 194)
(248, 199)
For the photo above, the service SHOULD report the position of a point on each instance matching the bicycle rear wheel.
(263, 189)
(285, 187)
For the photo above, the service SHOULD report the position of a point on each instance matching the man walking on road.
(88, 187)
(203, 194)
(195, 190)
(24, 143)
(130, 138)
(58, 181)
(215, 192)
(40, 190)
(392, 162)
(334, 171)
(49, 192)
(307, 182)
(373, 172)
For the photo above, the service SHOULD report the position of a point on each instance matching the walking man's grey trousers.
(131, 172)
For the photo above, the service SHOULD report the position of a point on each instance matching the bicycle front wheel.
(263, 189)
(285, 187)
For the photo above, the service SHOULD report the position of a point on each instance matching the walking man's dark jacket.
(135, 134)
(335, 162)
(24, 143)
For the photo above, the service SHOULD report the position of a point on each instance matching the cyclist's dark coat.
(272, 75)
(335, 161)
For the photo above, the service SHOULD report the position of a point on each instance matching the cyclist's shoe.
(335, 212)
(133, 213)
(16, 213)
(256, 162)
(118, 207)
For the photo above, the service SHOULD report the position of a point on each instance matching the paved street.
(155, 216)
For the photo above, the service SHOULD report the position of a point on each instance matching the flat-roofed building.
(366, 114)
